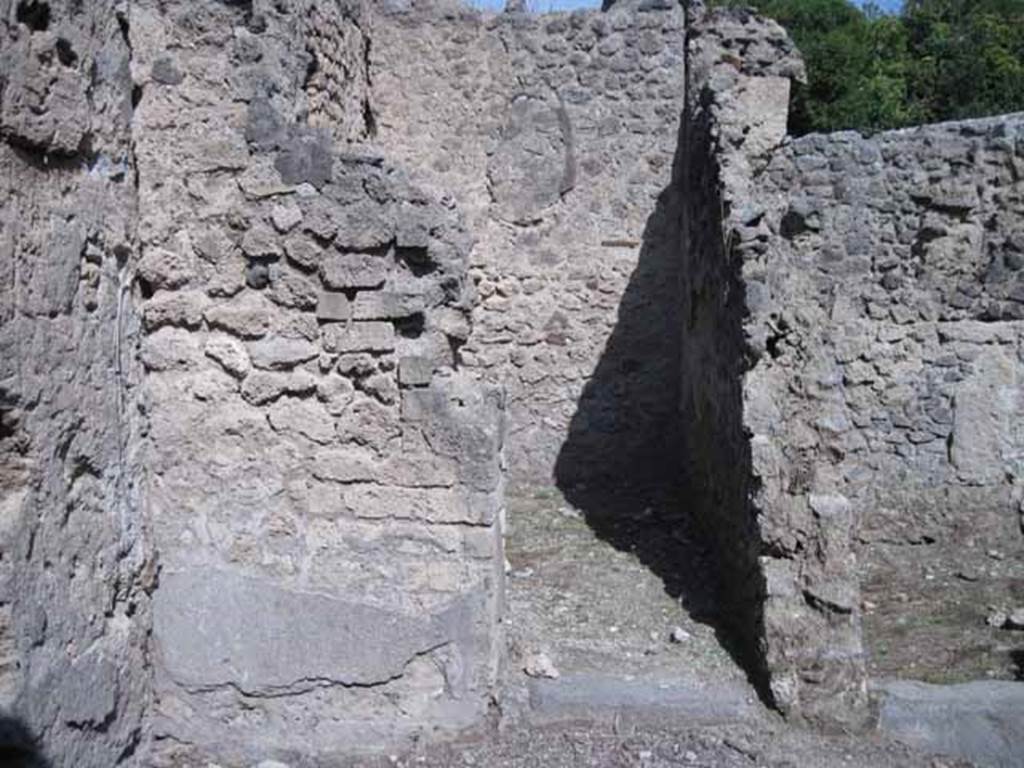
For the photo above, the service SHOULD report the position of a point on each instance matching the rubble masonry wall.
(556, 134)
(322, 485)
(74, 571)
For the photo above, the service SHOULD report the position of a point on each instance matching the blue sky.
(568, 5)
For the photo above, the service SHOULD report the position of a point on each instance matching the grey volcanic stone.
(306, 158)
(604, 698)
(74, 610)
(361, 336)
(215, 627)
(982, 722)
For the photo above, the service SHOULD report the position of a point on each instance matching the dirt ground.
(601, 591)
(926, 609)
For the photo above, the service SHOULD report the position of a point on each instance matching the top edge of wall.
(518, 7)
(970, 126)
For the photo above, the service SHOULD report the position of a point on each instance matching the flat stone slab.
(215, 627)
(981, 721)
(601, 697)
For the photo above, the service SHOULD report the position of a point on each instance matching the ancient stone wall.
(890, 326)
(911, 243)
(805, 655)
(556, 134)
(869, 296)
(231, 385)
(323, 485)
(251, 411)
(73, 572)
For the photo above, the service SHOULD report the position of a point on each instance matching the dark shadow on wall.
(18, 749)
(1017, 659)
(625, 428)
(656, 457)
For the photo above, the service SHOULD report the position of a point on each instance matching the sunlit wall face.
(545, 6)
(541, 6)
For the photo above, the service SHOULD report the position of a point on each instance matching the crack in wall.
(304, 685)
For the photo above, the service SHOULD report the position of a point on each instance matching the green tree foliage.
(936, 60)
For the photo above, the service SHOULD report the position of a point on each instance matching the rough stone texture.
(73, 610)
(872, 355)
(740, 68)
(223, 436)
(889, 318)
(251, 426)
(982, 721)
(329, 550)
(905, 245)
(556, 134)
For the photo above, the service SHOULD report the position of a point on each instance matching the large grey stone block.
(982, 721)
(214, 627)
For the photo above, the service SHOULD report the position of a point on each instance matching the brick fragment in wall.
(415, 371)
(354, 270)
(333, 305)
(359, 336)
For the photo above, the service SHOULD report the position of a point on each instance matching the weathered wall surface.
(251, 480)
(323, 486)
(911, 244)
(73, 614)
(890, 318)
(556, 135)
(872, 291)
(803, 651)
